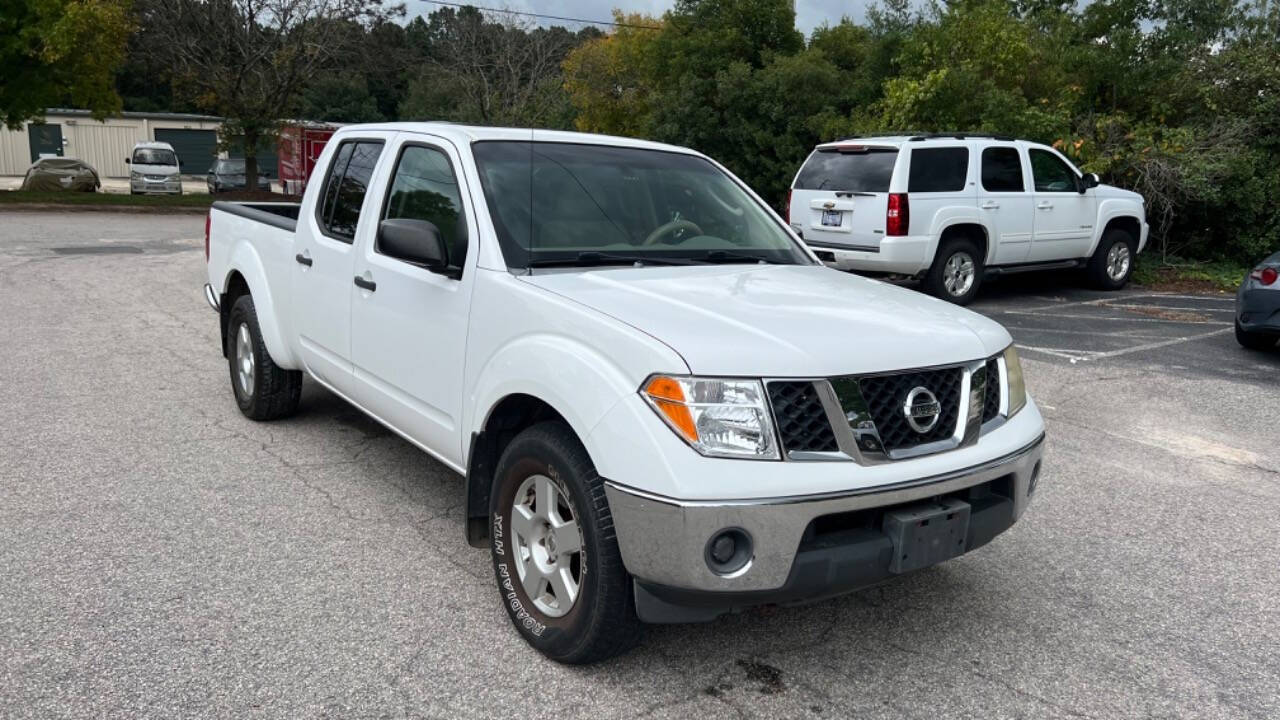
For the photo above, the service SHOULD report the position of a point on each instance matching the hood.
(782, 320)
(1111, 191)
(155, 169)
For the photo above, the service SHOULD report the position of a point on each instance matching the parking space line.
(1123, 319)
(1114, 301)
(1082, 355)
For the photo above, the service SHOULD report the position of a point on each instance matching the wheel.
(263, 390)
(1253, 340)
(1112, 263)
(956, 272)
(555, 554)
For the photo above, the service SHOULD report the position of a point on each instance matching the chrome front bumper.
(663, 540)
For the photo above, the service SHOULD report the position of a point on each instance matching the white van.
(154, 168)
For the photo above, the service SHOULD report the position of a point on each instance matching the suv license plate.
(831, 218)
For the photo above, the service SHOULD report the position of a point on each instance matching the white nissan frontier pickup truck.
(665, 408)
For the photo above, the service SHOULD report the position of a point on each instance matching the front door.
(45, 140)
(409, 324)
(323, 262)
(1005, 204)
(1064, 216)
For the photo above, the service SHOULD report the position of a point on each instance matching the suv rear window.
(851, 170)
(943, 169)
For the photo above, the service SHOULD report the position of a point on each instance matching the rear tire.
(584, 610)
(1112, 263)
(957, 271)
(1253, 340)
(263, 390)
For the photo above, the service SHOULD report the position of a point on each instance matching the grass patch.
(26, 197)
(1189, 275)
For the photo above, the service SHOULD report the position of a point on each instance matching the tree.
(58, 52)
(610, 79)
(248, 60)
(340, 97)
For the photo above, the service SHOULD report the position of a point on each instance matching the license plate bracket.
(927, 533)
(832, 218)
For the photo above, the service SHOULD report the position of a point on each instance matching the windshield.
(851, 169)
(231, 167)
(572, 204)
(154, 156)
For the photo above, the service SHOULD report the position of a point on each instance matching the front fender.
(245, 259)
(1111, 208)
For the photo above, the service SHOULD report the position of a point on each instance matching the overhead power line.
(545, 17)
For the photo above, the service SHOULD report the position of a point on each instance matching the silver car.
(1258, 306)
(154, 168)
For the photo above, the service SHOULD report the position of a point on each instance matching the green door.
(45, 139)
(196, 149)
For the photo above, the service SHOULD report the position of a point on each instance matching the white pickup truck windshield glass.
(563, 204)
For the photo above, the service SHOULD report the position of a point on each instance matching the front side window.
(349, 176)
(566, 204)
(154, 156)
(1050, 173)
(425, 187)
(1002, 170)
(943, 169)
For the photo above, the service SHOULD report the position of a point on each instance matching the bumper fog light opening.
(1035, 476)
(729, 552)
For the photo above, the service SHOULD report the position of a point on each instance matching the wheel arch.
(1114, 213)
(246, 275)
(972, 230)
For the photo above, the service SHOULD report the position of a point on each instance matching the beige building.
(106, 144)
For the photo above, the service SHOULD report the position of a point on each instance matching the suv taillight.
(1266, 276)
(898, 217)
(207, 219)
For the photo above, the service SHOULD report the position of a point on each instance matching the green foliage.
(60, 52)
(340, 97)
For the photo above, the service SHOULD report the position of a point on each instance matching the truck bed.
(283, 215)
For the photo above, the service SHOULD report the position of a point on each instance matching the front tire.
(554, 550)
(263, 390)
(1253, 340)
(957, 272)
(1112, 263)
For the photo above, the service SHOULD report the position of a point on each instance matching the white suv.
(953, 209)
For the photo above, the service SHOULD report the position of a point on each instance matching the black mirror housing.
(414, 241)
(1091, 180)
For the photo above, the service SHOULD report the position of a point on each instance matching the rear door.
(841, 194)
(325, 258)
(1064, 215)
(1005, 202)
(409, 324)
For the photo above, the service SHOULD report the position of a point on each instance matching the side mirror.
(1091, 181)
(413, 241)
(127, 161)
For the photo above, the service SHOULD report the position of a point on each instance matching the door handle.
(990, 205)
(365, 284)
(1046, 205)
(303, 259)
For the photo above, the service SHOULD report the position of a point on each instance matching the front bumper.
(168, 187)
(664, 541)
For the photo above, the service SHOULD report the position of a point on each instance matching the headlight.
(1017, 388)
(718, 417)
(135, 175)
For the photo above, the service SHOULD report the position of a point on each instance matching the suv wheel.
(956, 273)
(555, 554)
(1112, 263)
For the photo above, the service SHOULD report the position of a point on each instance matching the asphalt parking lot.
(162, 556)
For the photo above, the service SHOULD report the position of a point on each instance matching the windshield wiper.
(729, 256)
(592, 257)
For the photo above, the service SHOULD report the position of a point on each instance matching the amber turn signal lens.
(668, 397)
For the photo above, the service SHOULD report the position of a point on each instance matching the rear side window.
(942, 169)
(349, 177)
(851, 170)
(425, 187)
(1002, 170)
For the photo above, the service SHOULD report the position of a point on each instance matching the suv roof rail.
(961, 136)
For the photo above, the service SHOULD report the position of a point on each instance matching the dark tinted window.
(1002, 170)
(1050, 173)
(348, 181)
(425, 187)
(938, 169)
(154, 156)
(860, 170)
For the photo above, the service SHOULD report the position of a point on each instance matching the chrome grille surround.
(857, 424)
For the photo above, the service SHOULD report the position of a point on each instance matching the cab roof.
(466, 134)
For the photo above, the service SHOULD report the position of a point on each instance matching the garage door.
(196, 148)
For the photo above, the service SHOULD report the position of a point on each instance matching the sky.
(809, 13)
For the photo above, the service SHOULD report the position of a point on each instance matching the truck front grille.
(802, 423)
(886, 394)
(991, 396)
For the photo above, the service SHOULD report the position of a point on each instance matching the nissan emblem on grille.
(921, 409)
